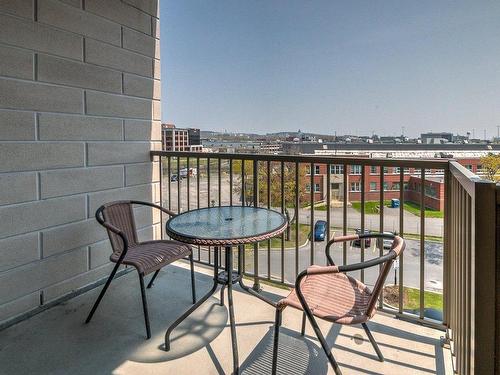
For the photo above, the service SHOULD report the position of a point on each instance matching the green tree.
(275, 188)
(491, 167)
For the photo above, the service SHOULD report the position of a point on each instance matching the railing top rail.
(465, 177)
(350, 160)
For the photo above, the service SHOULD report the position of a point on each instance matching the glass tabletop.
(226, 223)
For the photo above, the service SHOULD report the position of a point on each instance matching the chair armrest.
(321, 270)
(168, 212)
(329, 259)
(112, 228)
(397, 248)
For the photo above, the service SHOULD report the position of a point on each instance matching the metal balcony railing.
(442, 274)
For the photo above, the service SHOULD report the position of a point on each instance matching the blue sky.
(352, 67)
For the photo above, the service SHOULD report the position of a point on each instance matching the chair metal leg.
(303, 328)
(145, 306)
(322, 340)
(374, 343)
(194, 306)
(277, 325)
(150, 284)
(222, 295)
(193, 286)
(103, 291)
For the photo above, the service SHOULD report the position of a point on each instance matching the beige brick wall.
(79, 112)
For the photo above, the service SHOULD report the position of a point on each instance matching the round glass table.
(225, 226)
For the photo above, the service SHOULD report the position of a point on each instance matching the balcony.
(436, 336)
(58, 342)
(79, 116)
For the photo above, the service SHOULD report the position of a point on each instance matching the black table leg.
(246, 288)
(229, 268)
(196, 305)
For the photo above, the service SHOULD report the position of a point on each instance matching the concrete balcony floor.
(57, 342)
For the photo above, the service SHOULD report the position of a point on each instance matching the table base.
(222, 278)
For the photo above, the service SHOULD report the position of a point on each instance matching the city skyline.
(324, 67)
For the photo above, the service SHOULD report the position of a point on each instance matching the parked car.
(357, 243)
(388, 242)
(173, 178)
(320, 230)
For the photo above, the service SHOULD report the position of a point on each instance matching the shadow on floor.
(296, 355)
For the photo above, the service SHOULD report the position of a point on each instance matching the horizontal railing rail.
(317, 159)
(290, 184)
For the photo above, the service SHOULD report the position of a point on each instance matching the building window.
(356, 169)
(469, 167)
(373, 186)
(406, 170)
(317, 188)
(395, 186)
(355, 186)
(386, 170)
(316, 170)
(428, 171)
(386, 186)
(430, 191)
(308, 169)
(308, 188)
(396, 170)
(336, 169)
(373, 170)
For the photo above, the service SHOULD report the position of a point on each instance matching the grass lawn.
(411, 298)
(304, 231)
(415, 209)
(371, 207)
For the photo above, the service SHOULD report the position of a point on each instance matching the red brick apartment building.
(434, 183)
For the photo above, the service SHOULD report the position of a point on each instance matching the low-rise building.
(177, 139)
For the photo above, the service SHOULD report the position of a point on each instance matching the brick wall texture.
(79, 113)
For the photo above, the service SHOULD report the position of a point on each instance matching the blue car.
(320, 230)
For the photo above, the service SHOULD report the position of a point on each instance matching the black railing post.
(256, 282)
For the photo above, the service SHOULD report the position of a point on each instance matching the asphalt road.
(411, 259)
(433, 269)
(433, 226)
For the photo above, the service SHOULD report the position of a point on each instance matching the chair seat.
(335, 297)
(150, 256)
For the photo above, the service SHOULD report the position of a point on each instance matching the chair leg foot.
(103, 291)
(374, 343)
(150, 284)
(145, 306)
(193, 285)
(277, 325)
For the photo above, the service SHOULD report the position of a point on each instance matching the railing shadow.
(295, 355)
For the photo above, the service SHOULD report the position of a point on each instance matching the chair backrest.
(398, 246)
(121, 215)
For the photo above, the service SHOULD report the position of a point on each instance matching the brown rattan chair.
(147, 257)
(327, 292)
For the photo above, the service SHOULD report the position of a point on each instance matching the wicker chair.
(147, 257)
(327, 292)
